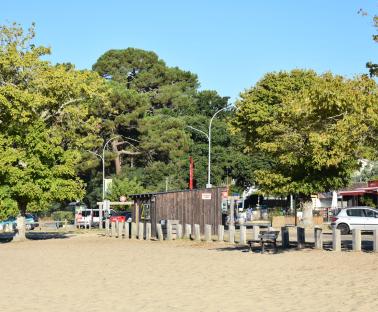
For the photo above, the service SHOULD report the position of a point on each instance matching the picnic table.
(265, 238)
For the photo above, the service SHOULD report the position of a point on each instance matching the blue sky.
(230, 45)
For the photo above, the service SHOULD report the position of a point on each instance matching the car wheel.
(344, 228)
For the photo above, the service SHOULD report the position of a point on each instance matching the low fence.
(289, 237)
(279, 221)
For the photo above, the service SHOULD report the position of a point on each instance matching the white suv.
(363, 218)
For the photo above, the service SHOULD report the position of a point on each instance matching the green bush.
(367, 201)
(275, 212)
(63, 215)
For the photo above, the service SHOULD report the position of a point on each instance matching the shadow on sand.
(346, 245)
(8, 237)
(257, 249)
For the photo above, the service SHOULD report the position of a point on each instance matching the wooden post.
(220, 233)
(113, 229)
(243, 235)
(179, 231)
(136, 221)
(117, 228)
(133, 230)
(255, 232)
(336, 239)
(100, 214)
(148, 231)
(231, 234)
(140, 231)
(232, 207)
(121, 225)
(356, 240)
(318, 238)
(197, 232)
(285, 240)
(301, 237)
(159, 231)
(208, 233)
(188, 230)
(107, 227)
(127, 230)
(20, 229)
(375, 241)
(169, 230)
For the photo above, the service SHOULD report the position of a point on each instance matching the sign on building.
(206, 196)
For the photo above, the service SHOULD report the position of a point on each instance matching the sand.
(92, 273)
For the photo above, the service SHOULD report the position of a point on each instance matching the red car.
(120, 216)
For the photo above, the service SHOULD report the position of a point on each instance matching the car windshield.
(86, 213)
(124, 213)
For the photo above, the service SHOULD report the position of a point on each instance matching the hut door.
(145, 212)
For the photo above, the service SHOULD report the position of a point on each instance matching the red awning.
(369, 188)
(351, 193)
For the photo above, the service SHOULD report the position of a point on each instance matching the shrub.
(276, 212)
(62, 215)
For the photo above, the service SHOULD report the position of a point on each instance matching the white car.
(362, 218)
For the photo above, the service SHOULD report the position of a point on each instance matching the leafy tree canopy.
(313, 128)
(45, 118)
(124, 187)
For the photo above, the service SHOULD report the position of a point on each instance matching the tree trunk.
(117, 159)
(21, 228)
(307, 219)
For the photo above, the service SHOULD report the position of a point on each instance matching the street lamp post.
(103, 165)
(208, 136)
(103, 160)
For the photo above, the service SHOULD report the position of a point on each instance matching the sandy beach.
(89, 272)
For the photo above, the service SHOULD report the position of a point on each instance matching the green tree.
(373, 67)
(368, 173)
(164, 143)
(45, 114)
(143, 71)
(124, 187)
(142, 85)
(313, 128)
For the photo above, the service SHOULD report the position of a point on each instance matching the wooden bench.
(265, 238)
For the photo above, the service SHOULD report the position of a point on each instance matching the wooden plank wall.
(189, 208)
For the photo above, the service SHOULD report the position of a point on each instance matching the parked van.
(87, 217)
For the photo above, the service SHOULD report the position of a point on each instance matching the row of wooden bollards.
(356, 240)
(336, 239)
(130, 230)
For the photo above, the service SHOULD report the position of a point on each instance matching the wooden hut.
(202, 206)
